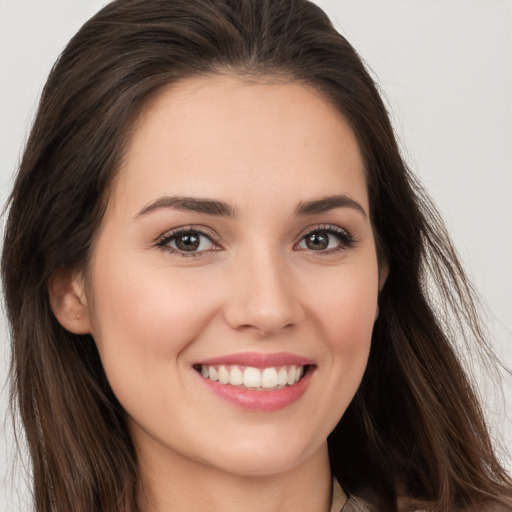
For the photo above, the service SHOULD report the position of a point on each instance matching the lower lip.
(263, 401)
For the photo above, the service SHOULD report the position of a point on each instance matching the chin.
(279, 456)
(260, 465)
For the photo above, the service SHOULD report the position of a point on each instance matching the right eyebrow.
(195, 204)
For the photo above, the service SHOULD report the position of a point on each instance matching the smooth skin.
(260, 276)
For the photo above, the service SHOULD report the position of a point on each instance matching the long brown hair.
(414, 429)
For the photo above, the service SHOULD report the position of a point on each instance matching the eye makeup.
(189, 241)
(326, 239)
(193, 241)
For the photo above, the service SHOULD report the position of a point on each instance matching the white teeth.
(250, 377)
(223, 375)
(269, 378)
(291, 375)
(282, 377)
(212, 373)
(236, 377)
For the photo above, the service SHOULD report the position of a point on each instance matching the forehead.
(215, 135)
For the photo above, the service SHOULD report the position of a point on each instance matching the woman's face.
(236, 256)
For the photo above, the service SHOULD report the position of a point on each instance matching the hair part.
(414, 428)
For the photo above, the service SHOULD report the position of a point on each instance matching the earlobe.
(383, 275)
(66, 290)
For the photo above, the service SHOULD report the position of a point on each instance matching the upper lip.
(258, 360)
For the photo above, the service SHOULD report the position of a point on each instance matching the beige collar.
(338, 497)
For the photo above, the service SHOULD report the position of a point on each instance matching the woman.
(220, 279)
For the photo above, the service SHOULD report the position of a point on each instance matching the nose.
(263, 295)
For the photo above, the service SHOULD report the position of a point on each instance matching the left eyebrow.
(329, 203)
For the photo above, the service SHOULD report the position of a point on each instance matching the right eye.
(187, 242)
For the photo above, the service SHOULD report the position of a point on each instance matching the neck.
(175, 483)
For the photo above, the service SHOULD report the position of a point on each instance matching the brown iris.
(188, 242)
(317, 241)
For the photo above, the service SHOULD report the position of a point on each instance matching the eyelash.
(168, 237)
(345, 239)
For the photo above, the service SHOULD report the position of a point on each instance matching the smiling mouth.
(251, 378)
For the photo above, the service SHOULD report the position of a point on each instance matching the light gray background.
(445, 69)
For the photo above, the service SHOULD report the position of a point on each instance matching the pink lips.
(257, 360)
(259, 400)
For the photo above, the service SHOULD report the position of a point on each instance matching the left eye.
(188, 241)
(325, 240)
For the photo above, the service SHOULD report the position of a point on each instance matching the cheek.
(347, 308)
(144, 320)
(143, 324)
(345, 312)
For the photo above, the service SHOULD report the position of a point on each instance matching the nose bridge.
(263, 295)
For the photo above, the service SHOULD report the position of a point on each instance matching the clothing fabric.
(340, 503)
(338, 497)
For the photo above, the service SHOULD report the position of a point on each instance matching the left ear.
(68, 300)
(383, 275)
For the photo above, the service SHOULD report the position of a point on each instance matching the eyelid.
(348, 242)
(164, 239)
